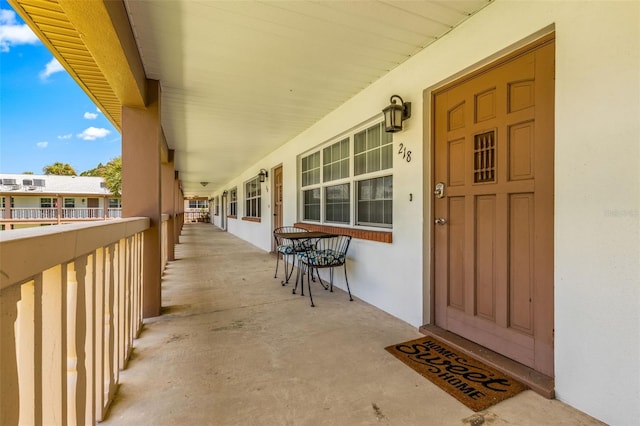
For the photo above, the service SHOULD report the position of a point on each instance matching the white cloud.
(42, 144)
(51, 68)
(67, 136)
(12, 33)
(90, 115)
(93, 133)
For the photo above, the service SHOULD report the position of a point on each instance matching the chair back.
(285, 245)
(329, 252)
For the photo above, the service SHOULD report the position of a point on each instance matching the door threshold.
(538, 382)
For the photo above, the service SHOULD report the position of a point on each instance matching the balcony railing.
(70, 307)
(52, 213)
(196, 215)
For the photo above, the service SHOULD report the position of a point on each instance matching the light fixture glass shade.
(393, 118)
(395, 114)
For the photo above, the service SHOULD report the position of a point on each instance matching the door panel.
(493, 150)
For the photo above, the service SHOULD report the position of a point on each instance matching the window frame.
(354, 182)
(233, 202)
(253, 199)
(198, 204)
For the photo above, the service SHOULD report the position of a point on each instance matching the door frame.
(274, 194)
(223, 210)
(524, 46)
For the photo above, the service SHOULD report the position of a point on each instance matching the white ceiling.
(241, 78)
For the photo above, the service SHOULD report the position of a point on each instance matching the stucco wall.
(597, 199)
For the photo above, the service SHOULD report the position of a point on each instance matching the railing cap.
(25, 253)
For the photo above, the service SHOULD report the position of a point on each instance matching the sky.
(45, 117)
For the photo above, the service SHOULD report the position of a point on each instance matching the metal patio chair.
(328, 252)
(286, 248)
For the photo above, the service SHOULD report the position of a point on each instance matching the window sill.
(232, 217)
(361, 234)
(252, 219)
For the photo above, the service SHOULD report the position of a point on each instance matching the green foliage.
(59, 169)
(97, 171)
(112, 174)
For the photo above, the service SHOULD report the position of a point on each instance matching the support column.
(59, 205)
(178, 206)
(7, 207)
(167, 199)
(141, 192)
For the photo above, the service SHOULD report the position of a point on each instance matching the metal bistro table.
(299, 238)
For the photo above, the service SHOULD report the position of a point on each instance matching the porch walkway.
(234, 347)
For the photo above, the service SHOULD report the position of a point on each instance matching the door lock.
(440, 221)
(439, 191)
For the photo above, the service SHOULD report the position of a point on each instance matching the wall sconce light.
(395, 114)
(224, 193)
(263, 175)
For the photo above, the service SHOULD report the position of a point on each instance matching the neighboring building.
(38, 200)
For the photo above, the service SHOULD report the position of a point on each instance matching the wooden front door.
(92, 205)
(493, 206)
(277, 199)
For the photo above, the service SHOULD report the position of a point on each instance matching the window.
(69, 203)
(335, 161)
(198, 204)
(115, 203)
(217, 206)
(311, 209)
(233, 202)
(253, 195)
(375, 205)
(311, 169)
(373, 150)
(348, 181)
(337, 203)
(46, 203)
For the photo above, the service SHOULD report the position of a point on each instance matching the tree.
(112, 174)
(59, 169)
(97, 171)
(27, 173)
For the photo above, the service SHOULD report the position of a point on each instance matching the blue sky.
(45, 117)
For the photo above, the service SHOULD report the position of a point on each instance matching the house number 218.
(405, 153)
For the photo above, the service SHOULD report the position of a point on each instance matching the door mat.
(470, 381)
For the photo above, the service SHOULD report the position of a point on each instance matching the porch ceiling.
(239, 79)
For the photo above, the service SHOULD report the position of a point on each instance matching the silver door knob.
(440, 221)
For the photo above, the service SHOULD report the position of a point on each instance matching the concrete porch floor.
(234, 347)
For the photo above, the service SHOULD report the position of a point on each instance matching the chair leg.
(298, 278)
(277, 263)
(290, 269)
(309, 268)
(286, 269)
(330, 280)
(347, 281)
(319, 279)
